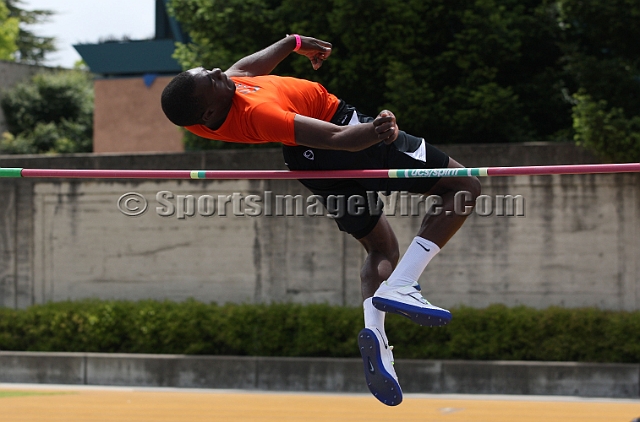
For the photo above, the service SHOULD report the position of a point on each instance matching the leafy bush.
(51, 113)
(494, 333)
(597, 52)
(606, 130)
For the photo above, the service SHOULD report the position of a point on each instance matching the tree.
(607, 131)
(455, 70)
(51, 113)
(8, 33)
(31, 48)
(602, 55)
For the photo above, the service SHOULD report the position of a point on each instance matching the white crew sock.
(373, 318)
(412, 265)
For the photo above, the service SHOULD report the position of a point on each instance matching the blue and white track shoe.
(378, 367)
(409, 302)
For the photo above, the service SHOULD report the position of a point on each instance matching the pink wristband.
(298, 42)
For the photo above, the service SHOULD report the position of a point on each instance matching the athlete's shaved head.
(180, 102)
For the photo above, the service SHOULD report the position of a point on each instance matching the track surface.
(103, 404)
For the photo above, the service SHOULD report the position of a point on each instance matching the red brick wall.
(128, 117)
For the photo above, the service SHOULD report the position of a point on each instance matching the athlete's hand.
(386, 127)
(316, 50)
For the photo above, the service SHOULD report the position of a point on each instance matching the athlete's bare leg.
(382, 245)
(441, 227)
(382, 259)
(382, 256)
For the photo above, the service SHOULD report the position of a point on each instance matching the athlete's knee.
(381, 240)
(392, 256)
(474, 187)
(379, 265)
(470, 185)
(387, 251)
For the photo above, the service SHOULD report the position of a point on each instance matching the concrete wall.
(320, 374)
(128, 117)
(10, 75)
(575, 246)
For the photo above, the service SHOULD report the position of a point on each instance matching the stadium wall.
(576, 244)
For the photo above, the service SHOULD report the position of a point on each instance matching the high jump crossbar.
(320, 174)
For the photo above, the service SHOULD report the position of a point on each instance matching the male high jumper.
(318, 131)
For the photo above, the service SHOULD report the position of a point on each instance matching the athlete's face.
(216, 90)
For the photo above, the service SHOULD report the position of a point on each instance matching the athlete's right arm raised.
(264, 61)
(319, 134)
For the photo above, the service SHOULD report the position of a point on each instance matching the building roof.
(134, 58)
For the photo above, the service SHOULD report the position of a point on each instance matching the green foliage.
(599, 53)
(456, 71)
(51, 113)
(493, 333)
(190, 327)
(606, 130)
(31, 48)
(8, 33)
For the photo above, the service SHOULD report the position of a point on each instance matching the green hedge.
(497, 332)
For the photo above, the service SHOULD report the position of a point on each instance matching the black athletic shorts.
(407, 152)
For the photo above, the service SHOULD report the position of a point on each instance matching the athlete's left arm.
(264, 61)
(324, 135)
